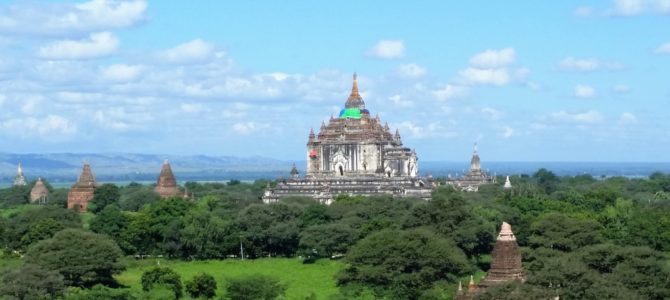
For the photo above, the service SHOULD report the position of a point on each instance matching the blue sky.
(528, 81)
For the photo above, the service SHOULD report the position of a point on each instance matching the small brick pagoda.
(39, 193)
(166, 184)
(506, 265)
(81, 192)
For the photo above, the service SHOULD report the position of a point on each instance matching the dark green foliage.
(81, 257)
(134, 197)
(400, 264)
(547, 180)
(99, 292)
(32, 225)
(104, 195)
(327, 240)
(204, 235)
(58, 198)
(155, 229)
(254, 287)
(13, 196)
(560, 232)
(201, 286)
(270, 229)
(31, 282)
(162, 277)
(112, 222)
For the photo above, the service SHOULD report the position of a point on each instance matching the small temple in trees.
(505, 265)
(39, 194)
(475, 177)
(19, 179)
(166, 184)
(81, 192)
(354, 154)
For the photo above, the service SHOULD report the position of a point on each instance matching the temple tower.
(508, 184)
(19, 179)
(166, 185)
(39, 193)
(81, 192)
(505, 260)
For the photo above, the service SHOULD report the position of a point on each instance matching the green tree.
(155, 229)
(202, 285)
(401, 264)
(560, 232)
(112, 222)
(204, 234)
(160, 276)
(254, 287)
(327, 240)
(81, 257)
(36, 223)
(135, 197)
(99, 292)
(104, 195)
(31, 282)
(547, 180)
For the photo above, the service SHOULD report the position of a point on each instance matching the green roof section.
(351, 113)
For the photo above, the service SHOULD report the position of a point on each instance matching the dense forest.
(581, 238)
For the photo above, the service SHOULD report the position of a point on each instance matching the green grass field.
(300, 279)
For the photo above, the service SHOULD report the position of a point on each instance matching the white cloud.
(486, 76)
(637, 7)
(580, 65)
(621, 88)
(97, 45)
(507, 132)
(584, 91)
(433, 129)
(399, 101)
(121, 72)
(387, 49)
(411, 71)
(494, 58)
(449, 92)
(195, 51)
(583, 11)
(492, 113)
(51, 125)
(192, 107)
(248, 127)
(2, 99)
(590, 116)
(627, 118)
(663, 48)
(61, 19)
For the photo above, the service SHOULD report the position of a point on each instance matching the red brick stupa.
(505, 265)
(81, 192)
(166, 185)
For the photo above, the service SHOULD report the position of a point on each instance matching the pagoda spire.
(355, 100)
(19, 179)
(472, 287)
(354, 88)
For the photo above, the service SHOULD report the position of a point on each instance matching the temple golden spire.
(354, 88)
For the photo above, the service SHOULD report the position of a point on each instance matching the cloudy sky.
(531, 81)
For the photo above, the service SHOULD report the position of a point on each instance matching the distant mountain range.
(63, 168)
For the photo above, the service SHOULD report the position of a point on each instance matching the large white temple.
(355, 154)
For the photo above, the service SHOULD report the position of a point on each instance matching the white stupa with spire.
(19, 179)
(508, 184)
